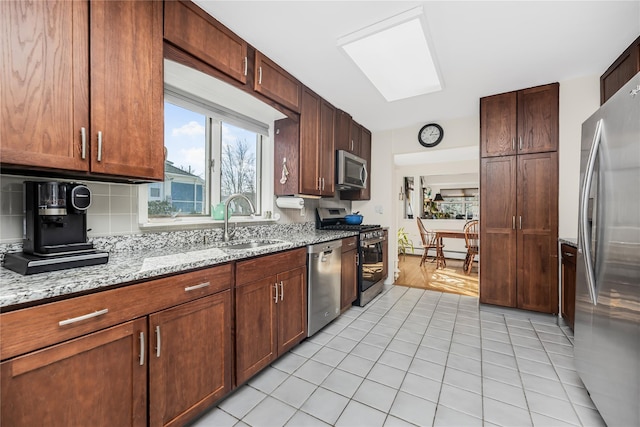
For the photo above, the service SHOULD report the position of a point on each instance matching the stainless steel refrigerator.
(607, 322)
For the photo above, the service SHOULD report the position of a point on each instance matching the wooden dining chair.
(471, 239)
(429, 241)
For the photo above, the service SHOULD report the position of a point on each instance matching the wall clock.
(430, 135)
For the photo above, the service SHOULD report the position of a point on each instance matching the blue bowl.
(353, 219)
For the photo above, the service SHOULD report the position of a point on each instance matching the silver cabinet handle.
(83, 136)
(513, 222)
(319, 183)
(322, 184)
(99, 146)
(260, 75)
(519, 143)
(246, 64)
(281, 291)
(194, 287)
(141, 348)
(276, 297)
(567, 254)
(584, 237)
(352, 145)
(520, 217)
(158, 342)
(83, 317)
(513, 143)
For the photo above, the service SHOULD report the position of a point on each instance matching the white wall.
(579, 99)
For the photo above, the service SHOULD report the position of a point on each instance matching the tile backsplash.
(113, 210)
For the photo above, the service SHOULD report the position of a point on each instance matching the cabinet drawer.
(261, 267)
(36, 327)
(349, 244)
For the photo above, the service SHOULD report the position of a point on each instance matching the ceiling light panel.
(394, 55)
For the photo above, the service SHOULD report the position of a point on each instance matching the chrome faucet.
(227, 235)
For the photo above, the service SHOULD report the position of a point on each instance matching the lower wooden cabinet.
(271, 309)
(189, 358)
(568, 288)
(99, 379)
(349, 281)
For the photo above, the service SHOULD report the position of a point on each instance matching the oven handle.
(372, 241)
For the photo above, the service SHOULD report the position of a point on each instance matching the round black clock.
(430, 135)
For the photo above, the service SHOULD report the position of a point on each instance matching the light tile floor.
(419, 358)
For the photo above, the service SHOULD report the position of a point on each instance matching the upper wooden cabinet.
(620, 72)
(275, 83)
(520, 122)
(82, 87)
(308, 148)
(190, 28)
(342, 138)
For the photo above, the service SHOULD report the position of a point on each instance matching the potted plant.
(404, 242)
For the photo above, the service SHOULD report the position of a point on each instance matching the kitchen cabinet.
(277, 84)
(568, 284)
(364, 142)
(519, 199)
(83, 89)
(195, 31)
(518, 231)
(90, 347)
(189, 358)
(99, 379)
(343, 140)
(520, 122)
(270, 309)
(306, 149)
(621, 71)
(349, 277)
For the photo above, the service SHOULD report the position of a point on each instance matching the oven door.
(371, 263)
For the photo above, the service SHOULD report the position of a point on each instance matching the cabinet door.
(343, 131)
(310, 181)
(538, 119)
(355, 135)
(99, 379)
(620, 72)
(537, 239)
(193, 30)
(326, 150)
(275, 83)
(568, 284)
(256, 338)
(497, 231)
(44, 83)
(498, 125)
(292, 308)
(349, 279)
(127, 89)
(189, 358)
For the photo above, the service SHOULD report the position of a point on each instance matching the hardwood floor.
(451, 279)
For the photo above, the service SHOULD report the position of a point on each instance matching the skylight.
(394, 55)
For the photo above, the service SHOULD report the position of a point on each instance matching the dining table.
(441, 261)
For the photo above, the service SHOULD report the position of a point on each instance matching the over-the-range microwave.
(351, 171)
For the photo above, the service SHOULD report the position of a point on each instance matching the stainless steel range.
(371, 260)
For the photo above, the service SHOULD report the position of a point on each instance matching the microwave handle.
(366, 175)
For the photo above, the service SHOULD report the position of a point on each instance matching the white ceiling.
(482, 48)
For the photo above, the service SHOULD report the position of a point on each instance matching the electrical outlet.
(379, 209)
(303, 212)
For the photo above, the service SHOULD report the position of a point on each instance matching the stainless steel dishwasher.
(324, 270)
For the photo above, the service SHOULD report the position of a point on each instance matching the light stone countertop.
(147, 263)
(568, 241)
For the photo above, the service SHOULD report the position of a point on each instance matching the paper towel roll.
(290, 202)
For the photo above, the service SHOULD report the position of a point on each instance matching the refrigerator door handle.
(583, 229)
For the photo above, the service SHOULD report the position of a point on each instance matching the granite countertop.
(136, 265)
(568, 241)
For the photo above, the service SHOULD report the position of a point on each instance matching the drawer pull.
(281, 291)
(194, 287)
(83, 317)
(567, 254)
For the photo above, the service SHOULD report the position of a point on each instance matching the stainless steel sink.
(251, 244)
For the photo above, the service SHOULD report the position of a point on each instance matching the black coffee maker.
(56, 218)
(55, 229)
